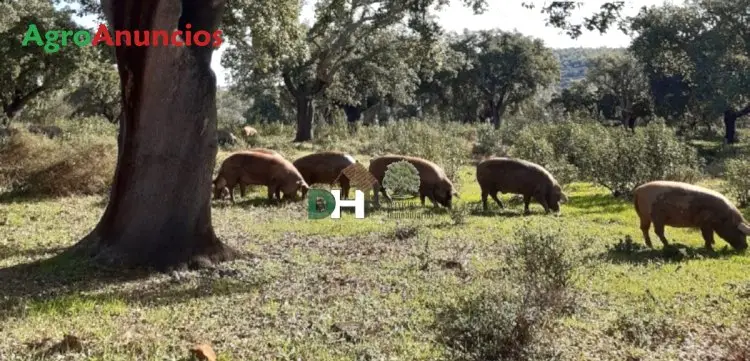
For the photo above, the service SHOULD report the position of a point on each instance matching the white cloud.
(505, 15)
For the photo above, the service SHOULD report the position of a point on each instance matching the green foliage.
(489, 142)
(621, 160)
(509, 321)
(621, 77)
(47, 109)
(401, 178)
(438, 141)
(230, 109)
(703, 46)
(97, 91)
(533, 145)
(575, 61)
(28, 71)
(501, 71)
(738, 180)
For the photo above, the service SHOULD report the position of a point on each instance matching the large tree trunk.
(730, 127)
(159, 211)
(497, 112)
(730, 123)
(305, 117)
(353, 113)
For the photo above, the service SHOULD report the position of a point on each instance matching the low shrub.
(489, 142)
(738, 180)
(537, 144)
(621, 160)
(509, 320)
(36, 165)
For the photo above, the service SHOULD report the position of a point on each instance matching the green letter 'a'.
(32, 34)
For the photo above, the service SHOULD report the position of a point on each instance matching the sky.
(502, 14)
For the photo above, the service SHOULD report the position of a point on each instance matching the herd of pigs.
(663, 203)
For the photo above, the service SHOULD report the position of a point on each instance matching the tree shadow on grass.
(511, 210)
(627, 251)
(22, 197)
(599, 203)
(250, 202)
(67, 277)
(11, 252)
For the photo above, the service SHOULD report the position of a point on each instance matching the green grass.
(366, 289)
(308, 280)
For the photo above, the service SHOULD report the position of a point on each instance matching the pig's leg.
(242, 190)
(526, 203)
(344, 183)
(659, 230)
(645, 226)
(484, 199)
(708, 235)
(270, 192)
(497, 200)
(421, 198)
(431, 195)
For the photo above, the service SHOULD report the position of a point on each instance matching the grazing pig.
(263, 150)
(224, 136)
(433, 183)
(325, 167)
(255, 168)
(683, 205)
(51, 131)
(511, 175)
(249, 131)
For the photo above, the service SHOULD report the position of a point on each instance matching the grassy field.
(447, 285)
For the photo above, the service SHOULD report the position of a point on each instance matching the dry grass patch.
(35, 165)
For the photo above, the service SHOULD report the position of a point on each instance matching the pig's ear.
(744, 228)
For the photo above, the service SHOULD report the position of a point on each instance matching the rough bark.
(305, 117)
(159, 210)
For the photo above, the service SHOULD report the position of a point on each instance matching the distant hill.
(574, 61)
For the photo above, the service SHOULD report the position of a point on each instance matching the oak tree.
(27, 71)
(159, 210)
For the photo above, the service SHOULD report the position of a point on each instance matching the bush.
(507, 321)
(738, 180)
(536, 144)
(489, 142)
(36, 165)
(621, 160)
(439, 142)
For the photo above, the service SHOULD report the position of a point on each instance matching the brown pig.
(511, 175)
(433, 183)
(249, 131)
(325, 167)
(683, 205)
(255, 168)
